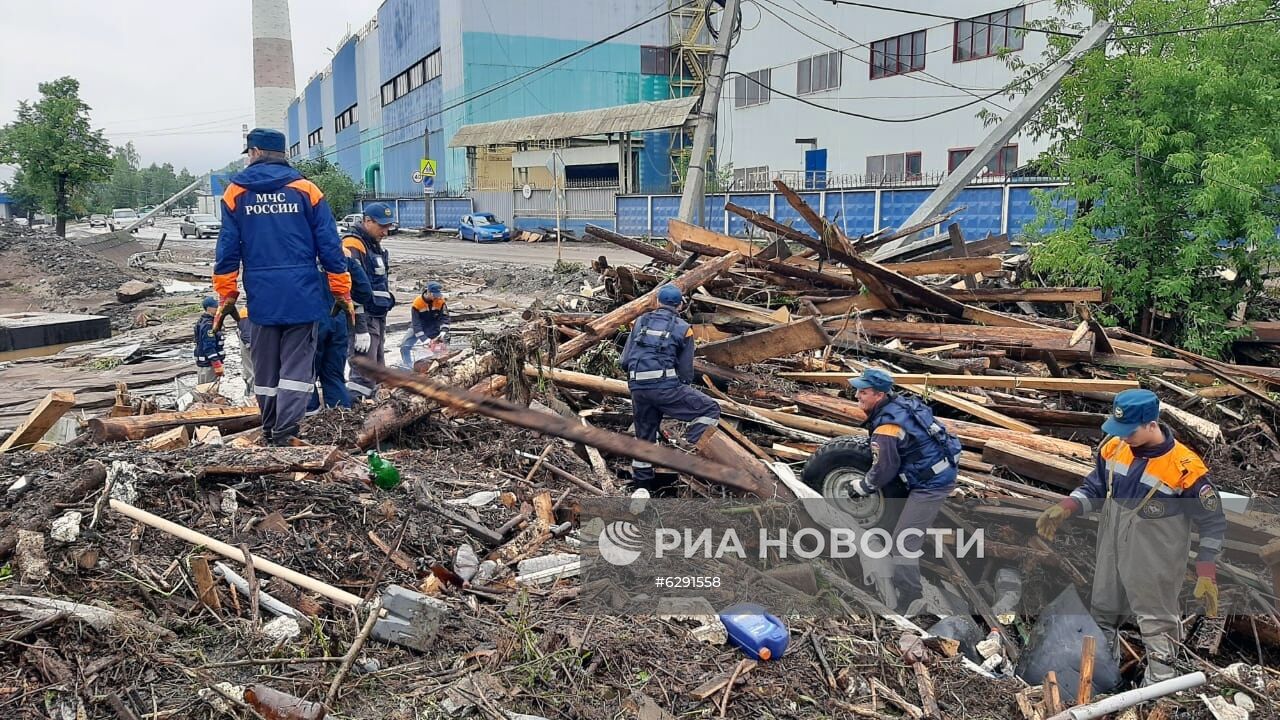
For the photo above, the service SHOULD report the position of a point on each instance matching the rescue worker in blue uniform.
(209, 353)
(332, 342)
(658, 359)
(1150, 490)
(907, 443)
(278, 227)
(430, 317)
(363, 243)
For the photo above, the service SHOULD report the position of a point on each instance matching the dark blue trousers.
(331, 364)
(651, 404)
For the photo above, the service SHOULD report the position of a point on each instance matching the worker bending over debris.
(430, 322)
(658, 359)
(277, 226)
(209, 353)
(363, 243)
(906, 443)
(1150, 490)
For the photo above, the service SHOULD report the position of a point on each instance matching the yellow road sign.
(427, 167)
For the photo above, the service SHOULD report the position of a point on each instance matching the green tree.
(338, 187)
(25, 197)
(53, 144)
(1171, 145)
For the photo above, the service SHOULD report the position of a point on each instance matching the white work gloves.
(443, 337)
(861, 488)
(362, 342)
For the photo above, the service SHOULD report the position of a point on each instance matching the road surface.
(411, 246)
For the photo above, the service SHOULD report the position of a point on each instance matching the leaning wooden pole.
(554, 425)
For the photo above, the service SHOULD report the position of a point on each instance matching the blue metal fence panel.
(757, 203)
(449, 211)
(633, 215)
(787, 215)
(854, 212)
(897, 205)
(665, 207)
(412, 213)
(983, 211)
(1022, 211)
(713, 213)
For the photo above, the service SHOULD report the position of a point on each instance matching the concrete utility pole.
(993, 142)
(695, 179)
(169, 201)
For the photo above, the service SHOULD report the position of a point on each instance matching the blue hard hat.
(435, 288)
(873, 378)
(264, 139)
(209, 302)
(1130, 410)
(670, 295)
(379, 213)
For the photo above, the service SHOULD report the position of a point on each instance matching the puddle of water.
(41, 351)
(182, 286)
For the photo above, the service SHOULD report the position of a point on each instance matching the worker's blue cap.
(380, 213)
(670, 295)
(264, 139)
(1131, 409)
(435, 288)
(209, 302)
(873, 378)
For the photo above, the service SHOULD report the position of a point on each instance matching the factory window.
(314, 138)
(295, 150)
(418, 74)
(983, 36)
(751, 178)
(894, 167)
(655, 60)
(818, 73)
(752, 88)
(897, 55)
(345, 120)
(1004, 162)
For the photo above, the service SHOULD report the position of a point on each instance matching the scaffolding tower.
(691, 49)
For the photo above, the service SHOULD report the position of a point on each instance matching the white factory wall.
(765, 135)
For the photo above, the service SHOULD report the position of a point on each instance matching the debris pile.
(160, 567)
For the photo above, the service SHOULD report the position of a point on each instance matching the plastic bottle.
(757, 633)
(276, 705)
(384, 474)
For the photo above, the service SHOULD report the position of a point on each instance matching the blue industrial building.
(397, 90)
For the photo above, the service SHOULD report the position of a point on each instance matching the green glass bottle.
(382, 473)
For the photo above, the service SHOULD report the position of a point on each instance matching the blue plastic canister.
(757, 633)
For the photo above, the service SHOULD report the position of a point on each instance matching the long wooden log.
(136, 427)
(607, 324)
(707, 242)
(404, 409)
(265, 460)
(947, 266)
(634, 245)
(1041, 294)
(777, 341)
(499, 409)
(982, 381)
(1040, 338)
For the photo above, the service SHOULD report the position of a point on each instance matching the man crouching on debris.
(906, 442)
(1150, 490)
(277, 226)
(209, 353)
(658, 359)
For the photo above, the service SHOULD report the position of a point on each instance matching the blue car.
(482, 227)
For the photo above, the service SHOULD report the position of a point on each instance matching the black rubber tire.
(855, 453)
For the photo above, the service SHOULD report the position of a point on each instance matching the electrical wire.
(953, 18)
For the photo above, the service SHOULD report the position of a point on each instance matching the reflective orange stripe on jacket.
(309, 189)
(1176, 470)
(231, 196)
(894, 431)
(225, 283)
(351, 242)
(422, 304)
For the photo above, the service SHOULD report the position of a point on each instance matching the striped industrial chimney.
(273, 87)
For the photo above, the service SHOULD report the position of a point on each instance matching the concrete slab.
(22, 331)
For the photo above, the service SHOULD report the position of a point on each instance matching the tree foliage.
(133, 186)
(1171, 145)
(59, 154)
(338, 187)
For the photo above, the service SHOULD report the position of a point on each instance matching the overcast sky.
(175, 78)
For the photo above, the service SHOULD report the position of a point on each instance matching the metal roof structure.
(635, 117)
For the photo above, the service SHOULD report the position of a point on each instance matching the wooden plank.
(947, 266)
(1040, 338)
(853, 303)
(775, 317)
(1051, 469)
(971, 408)
(1084, 691)
(1043, 294)
(143, 426)
(778, 341)
(206, 590)
(959, 251)
(49, 411)
(989, 245)
(708, 242)
(178, 437)
(1266, 332)
(983, 381)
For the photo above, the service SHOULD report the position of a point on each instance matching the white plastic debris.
(19, 486)
(122, 478)
(465, 562)
(1244, 702)
(639, 499)
(218, 702)
(989, 647)
(66, 528)
(229, 505)
(477, 499)
(282, 629)
(1223, 710)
